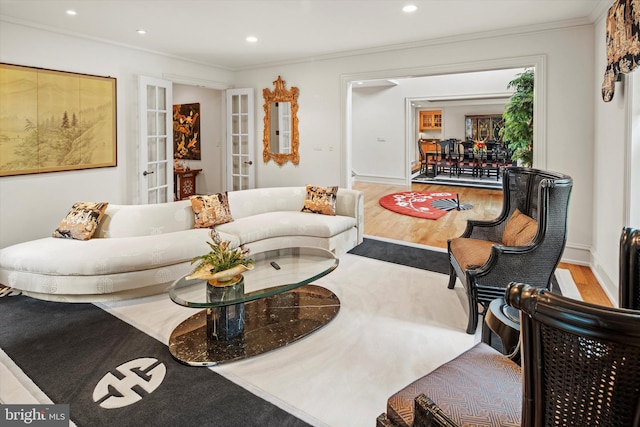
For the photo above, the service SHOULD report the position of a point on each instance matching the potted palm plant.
(518, 118)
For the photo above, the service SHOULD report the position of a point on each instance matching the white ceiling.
(213, 32)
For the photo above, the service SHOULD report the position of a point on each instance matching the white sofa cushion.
(143, 220)
(286, 223)
(67, 257)
(245, 203)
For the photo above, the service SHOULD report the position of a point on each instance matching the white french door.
(240, 139)
(156, 140)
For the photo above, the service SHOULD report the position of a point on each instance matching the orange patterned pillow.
(211, 210)
(520, 229)
(81, 221)
(321, 200)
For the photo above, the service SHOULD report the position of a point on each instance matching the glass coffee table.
(273, 306)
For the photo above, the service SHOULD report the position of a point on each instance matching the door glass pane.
(162, 148)
(152, 150)
(162, 174)
(234, 105)
(235, 129)
(153, 175)
(151, 97)
(162, 92)
(244, 103)
(235, 141)
(151, 123)
(162, 124)
(163, 197)
(244, 124)
(244, 148)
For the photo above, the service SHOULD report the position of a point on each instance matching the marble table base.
(269, 323)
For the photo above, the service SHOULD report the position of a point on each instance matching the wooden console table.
(184, 183)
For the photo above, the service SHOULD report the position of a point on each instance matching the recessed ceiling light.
(71, 12)
(252, 39)
(410, 8)
(141, 31)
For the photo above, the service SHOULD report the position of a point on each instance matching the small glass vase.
(225, 322)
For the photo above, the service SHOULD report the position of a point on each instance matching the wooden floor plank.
(487, 204)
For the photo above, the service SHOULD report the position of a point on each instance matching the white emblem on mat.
(129, 383)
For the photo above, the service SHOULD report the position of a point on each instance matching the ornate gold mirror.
(281, 124)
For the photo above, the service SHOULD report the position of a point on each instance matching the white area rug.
(567, 285)
(396, 323)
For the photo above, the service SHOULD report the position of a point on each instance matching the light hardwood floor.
(487, 204)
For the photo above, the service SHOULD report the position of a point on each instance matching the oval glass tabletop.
(274, 272)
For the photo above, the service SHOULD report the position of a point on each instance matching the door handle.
(145, 173)
(250, 162)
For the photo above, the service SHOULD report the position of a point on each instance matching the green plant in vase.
(518, 118)
(222, 264)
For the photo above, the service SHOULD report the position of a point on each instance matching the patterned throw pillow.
(81, 221)
(321, 200)
(211, 210)
(519, 230)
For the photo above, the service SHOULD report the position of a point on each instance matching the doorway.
(397, 152)
(211, 113)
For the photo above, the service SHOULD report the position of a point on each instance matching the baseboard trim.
(609, 286)
(380, 179)
(576, 254)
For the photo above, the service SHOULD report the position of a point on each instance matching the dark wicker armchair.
(513, 247)
(580, 367)
(629, 284)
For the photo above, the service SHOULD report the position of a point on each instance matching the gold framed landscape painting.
(54, 121)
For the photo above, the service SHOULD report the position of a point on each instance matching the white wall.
(33, 205)
(633, 161)
(378, 145)
(571, 80)
(568, 113)
(319, 113)
(212, 134)
(610, 142)
(455, 116)
(378, 120)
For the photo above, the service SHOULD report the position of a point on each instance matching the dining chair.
(449, 156)
(467, 160)
(580, 366)
(423, 157)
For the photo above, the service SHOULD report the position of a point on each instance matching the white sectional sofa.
(140, 250)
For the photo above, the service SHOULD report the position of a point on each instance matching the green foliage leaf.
(221, 258)
(518, 118)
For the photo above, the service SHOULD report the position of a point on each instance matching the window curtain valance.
(622, 42)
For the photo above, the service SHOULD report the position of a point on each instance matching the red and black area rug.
(423, 204)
